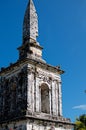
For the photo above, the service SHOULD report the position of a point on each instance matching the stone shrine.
(30, 89)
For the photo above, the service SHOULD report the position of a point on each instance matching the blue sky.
(62, 33)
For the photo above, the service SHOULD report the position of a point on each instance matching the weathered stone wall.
(32, 124)
(19, 125)
(44, 125)
(13, 94)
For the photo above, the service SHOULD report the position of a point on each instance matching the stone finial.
(30, 24)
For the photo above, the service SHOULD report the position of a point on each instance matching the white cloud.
(81, 107)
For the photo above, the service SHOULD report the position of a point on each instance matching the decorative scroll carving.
(44, 77)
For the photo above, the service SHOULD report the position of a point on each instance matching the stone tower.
(30, 89)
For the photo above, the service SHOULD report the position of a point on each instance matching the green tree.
(80, 123)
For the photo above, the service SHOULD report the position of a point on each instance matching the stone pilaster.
(37, 95)
(60, 100)
(56, 93)
(30, 91)
(50, 99)
(53, 99)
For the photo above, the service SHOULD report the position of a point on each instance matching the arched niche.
(45, 99)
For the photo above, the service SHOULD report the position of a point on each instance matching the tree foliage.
(80, 123)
